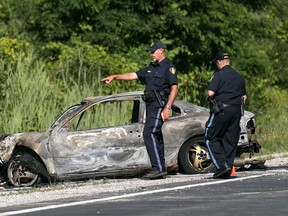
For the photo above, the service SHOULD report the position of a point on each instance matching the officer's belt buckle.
(226, 105)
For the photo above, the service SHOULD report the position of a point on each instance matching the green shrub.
(272, 121)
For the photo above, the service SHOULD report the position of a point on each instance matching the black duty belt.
(154, 95)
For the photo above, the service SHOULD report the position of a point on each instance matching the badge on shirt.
(172, 70)
(148, 71)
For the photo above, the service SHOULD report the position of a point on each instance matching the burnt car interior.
(106, 114)
(109, 114)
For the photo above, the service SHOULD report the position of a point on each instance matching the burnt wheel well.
(201, 136)
(193, 156)
(193, 138)
(22, 149)
(29, 151)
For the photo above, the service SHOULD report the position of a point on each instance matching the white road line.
(130, 195)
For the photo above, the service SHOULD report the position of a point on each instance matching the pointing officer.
(226, 92)
(160, 78)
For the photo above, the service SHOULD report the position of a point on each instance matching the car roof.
(186, 106)
(124, 94)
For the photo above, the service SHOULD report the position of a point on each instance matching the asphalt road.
(262, 193)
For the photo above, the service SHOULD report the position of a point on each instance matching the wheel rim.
(199, 158)
(19, 175)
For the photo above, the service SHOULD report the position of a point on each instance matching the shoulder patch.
(172, 70)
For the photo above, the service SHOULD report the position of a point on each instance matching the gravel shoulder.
(278, 160)
(19, 196)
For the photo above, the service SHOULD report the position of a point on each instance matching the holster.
(159, 99)
(215, 106)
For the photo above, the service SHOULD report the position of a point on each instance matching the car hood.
(8, 143)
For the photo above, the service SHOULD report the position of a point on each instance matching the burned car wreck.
(102, 136)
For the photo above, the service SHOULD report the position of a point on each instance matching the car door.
(106, 136)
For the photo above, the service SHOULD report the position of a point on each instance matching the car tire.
(23, 170)
(194, 158)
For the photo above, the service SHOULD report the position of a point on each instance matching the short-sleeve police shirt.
(228, 86)
(158, 76)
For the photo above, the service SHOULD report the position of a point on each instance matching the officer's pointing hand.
(107, 80)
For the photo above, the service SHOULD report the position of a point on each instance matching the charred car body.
(102, 136)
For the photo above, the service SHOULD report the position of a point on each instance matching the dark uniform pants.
(222, 135)
(153, 137)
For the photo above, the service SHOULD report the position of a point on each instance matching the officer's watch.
(168, 107)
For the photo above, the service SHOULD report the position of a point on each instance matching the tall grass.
(272, 123)
(33, 99)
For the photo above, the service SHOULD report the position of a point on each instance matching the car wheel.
(194, 157)
(20, 175)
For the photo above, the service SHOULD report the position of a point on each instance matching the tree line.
(102, 37)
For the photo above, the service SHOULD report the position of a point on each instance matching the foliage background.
(53, 53)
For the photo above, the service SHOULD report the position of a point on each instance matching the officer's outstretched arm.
(125, 76)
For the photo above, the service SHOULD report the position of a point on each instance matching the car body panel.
(95, 150)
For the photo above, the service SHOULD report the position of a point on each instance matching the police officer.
(160, 78)
(226, 92)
